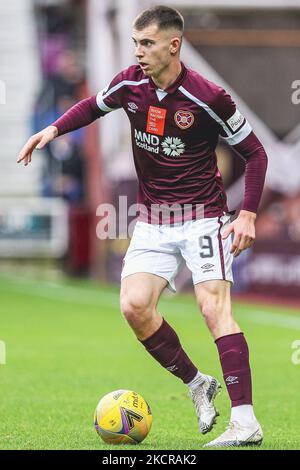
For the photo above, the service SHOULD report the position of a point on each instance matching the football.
(123, 416)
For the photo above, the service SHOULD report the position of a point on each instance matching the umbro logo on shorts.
(207, 267)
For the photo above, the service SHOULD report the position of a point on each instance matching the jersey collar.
(178, 82)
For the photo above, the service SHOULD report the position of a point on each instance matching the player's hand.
(243, 228)
(37, 141)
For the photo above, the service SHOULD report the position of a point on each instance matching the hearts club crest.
(184, 119)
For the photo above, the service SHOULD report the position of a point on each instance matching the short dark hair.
(164, 17)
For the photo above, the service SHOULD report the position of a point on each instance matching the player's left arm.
(239, 134)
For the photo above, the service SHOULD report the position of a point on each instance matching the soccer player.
(176, 118)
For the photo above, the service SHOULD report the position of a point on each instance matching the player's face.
(154, 48)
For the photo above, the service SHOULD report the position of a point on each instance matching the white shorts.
(161, 249)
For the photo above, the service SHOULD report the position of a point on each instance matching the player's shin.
(165, 347)
(234, 357)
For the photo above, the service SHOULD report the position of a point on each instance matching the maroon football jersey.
(174, 136)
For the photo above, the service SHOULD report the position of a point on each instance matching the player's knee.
(214, 310)
(210, 311)
(135, 309)
(218, 317)
(211, 307)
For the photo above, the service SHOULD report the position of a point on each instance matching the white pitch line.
(67, 294)
(279, 320)
(79, 295)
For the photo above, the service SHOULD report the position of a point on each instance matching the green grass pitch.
(67, 345)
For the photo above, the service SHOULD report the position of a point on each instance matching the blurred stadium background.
(56, 52)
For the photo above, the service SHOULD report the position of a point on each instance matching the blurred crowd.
(63, 83)
(280, 220)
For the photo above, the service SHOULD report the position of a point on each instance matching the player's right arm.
(37, 141)
(81, 114)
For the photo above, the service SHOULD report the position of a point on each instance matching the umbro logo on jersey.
(184, 119)
(231, 380)
(132, 107)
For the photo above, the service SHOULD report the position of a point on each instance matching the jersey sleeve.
(234, 127)
(110, 98)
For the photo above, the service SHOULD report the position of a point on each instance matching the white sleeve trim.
(101, 104)
(104, 93)
(125, 82)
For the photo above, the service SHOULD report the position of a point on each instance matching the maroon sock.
(165, 347)
(234, 357)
